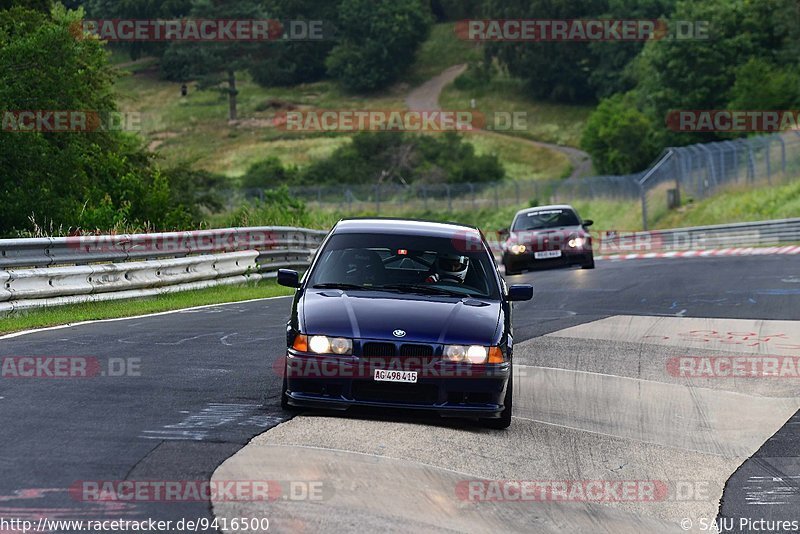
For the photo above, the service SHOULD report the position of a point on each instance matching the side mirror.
(288, 278)
(588, 222)
(520, 292)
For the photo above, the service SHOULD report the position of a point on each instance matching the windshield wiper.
(337, 285)
(417, 288)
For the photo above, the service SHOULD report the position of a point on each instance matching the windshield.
(554, 218)
(414, 264)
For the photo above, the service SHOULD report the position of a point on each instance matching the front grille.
(416, 351)
(395, 392)
(378, 350)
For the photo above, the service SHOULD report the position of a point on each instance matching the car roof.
(380, 225)
(547, 207)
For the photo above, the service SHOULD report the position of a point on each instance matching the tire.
(509, 271)
(589, 264)
(504, 421)
(284, 389)
(284, 398)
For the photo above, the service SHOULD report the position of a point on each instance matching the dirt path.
(426, 97)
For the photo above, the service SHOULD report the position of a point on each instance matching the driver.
(449, 268)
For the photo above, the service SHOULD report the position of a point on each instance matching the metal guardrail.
(62, 270)
(53, 271)
(747, 234)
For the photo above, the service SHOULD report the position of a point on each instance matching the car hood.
(375, 315)
(525, 236)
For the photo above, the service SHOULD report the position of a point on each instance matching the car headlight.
(517, 249)
(473, 354)
(576, 242)
(327, 345)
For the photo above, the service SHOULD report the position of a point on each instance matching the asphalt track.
(594, 401)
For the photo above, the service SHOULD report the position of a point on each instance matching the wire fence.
(681, 174)
(698, 171)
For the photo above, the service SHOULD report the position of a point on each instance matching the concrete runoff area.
(571, 425)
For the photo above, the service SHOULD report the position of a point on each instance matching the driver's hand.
(432, 279)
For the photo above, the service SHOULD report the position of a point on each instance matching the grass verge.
(561, 124)
(73, 313)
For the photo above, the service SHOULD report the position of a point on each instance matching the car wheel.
(504, 421)
(510, 271)
(589, 264)
(284, 389)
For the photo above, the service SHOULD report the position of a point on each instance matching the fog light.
(455, 353)
(340, 345)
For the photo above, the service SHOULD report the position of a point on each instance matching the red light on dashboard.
(402, 252)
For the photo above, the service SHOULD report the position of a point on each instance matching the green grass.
(73, 313)
(738, 204)
(443, 49)
(522, 160)
(194, 130)
(560, 124)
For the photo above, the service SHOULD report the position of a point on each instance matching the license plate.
(546, 254)
(385, 375)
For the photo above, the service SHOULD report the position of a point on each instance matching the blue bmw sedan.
(402, 314)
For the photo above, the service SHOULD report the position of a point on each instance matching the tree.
(214, 64)
(558, 71)
(377, 41)
(291, 62)
(139, 9)
(619, 137)
(697, 74)
(90, 179)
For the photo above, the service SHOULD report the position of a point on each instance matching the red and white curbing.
(740, 251)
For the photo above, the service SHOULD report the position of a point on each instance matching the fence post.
(643, 194)
(449, 199)
(496, 196)
(516, 187)
(472, 190)
(425, 196)
(377, 199)
(783, 154)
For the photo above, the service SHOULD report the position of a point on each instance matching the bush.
(619, 137)
(374, 157)
(268, 173)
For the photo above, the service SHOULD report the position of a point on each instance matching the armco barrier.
(748, 234)
(62, 270)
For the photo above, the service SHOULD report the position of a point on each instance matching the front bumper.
(526, 260)
(451, 390)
